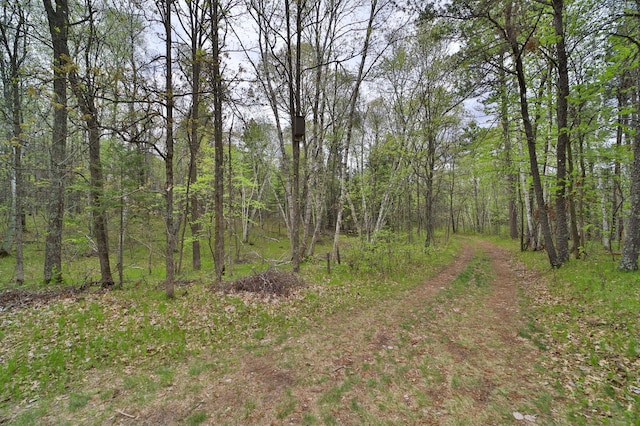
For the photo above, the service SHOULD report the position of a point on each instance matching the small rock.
(518, 416)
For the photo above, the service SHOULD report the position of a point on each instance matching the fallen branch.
(122, 413)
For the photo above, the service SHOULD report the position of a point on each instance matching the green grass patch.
(49, 349)
(587, 313)
(78, 401)
(334, 395)
(286, 406)
(197, 418)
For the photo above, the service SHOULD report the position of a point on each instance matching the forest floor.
(447, 352)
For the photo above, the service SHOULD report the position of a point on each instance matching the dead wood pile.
(270, 282)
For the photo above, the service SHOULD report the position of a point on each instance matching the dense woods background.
(206, 121)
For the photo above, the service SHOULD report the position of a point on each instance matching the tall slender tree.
(58, 19)
(13, 40)
(631, 248)
(562, 118)
(218, 95)
(85, 90)
(166, 10)
(351, 115)
(193, 21)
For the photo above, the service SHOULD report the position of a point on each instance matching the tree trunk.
(196, 34)
(576, 240)
(350, 121)
(294, 75)
(511, 174)
(169, 219)
(218, 142)
(17, 164)
(631, 248)
(606, 233)
(531, 140)
(622, 124)
(58, 19)
(428, 195)
(98, 209)
(84, 93)
(194, 203)
(562, 107)
(18, 190)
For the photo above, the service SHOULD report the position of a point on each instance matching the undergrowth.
(48, 348)
(585, 315)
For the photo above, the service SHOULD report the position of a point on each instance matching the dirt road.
(448, 352)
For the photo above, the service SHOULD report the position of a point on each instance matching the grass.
(197, 418)
(48, 350)
(407, 374)
(585, 315)
(78, 401)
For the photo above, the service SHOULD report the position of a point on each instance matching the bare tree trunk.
(631, 248)
(15, 48)
(511, 174)
(576, 242)
(169, 213)
(218, 141)
(17, 164)
(194, 25)
(429, 198)
(294, 75)
(18, 191)
(98, 209)
(84, 93)
(58, 19)
(562, 107)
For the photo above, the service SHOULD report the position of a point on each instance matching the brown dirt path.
(435, 356)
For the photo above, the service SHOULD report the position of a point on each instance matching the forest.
(164, 144)
(327, 118)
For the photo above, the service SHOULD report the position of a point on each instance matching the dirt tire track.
(410, 360)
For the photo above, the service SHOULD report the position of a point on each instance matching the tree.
(193, 24)
(438, 104)
(562, 111)
(85, 90)
(631, 248)
(297, 123)
(13, 39)
(351, 115)
(58, 19)
(515, 24)
(166, 11)
(218, 95)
